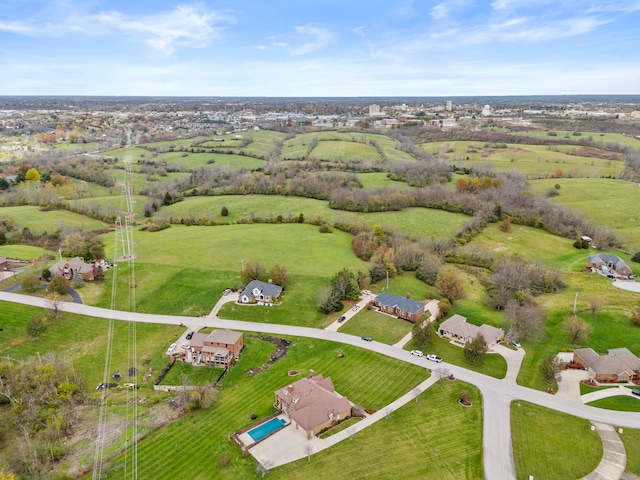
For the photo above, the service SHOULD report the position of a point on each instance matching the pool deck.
(245, 438)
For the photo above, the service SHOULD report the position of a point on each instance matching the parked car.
(172, 347)
(102, 386)
(186, 346)
(367, 339)
(342, 319)
(417, 353)
(635, 391)
(516, 343)
(433, 358)
(189, 336)
(355, 307)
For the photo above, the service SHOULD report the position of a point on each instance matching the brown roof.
(198, 340)
(457, 325)
(313, 401)
(221, 351)
(228, 337)
(619, 360)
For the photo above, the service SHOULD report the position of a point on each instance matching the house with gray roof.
(619, 366)
(257, 291)
(457, 329)
(312, 404)
(607, 262)
(401, 307)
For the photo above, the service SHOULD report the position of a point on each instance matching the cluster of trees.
(43, 396)
(85, 245)
(345, 285)
(256, 271)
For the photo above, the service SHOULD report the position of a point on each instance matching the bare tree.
(577, 329)
(308, 450)
(53, 303)
(416, 392)
(387, 412)
(595, 304)
(525, 321)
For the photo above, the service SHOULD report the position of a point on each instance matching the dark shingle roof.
(268, 289)
(403, 303)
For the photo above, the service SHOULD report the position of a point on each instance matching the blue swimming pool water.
(266, 428)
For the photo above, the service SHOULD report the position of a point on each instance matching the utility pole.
(242, 266)
(575, 300)
(387, 280)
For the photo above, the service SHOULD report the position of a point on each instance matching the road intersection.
(497, 393)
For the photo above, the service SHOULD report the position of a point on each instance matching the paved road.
(497, 394)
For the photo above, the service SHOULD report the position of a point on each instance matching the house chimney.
(408, 295)
(311, 372)
(270, 280)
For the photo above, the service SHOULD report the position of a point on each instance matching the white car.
(185, 346)
(355, 307)
(417, 353)
(171, 348)
(433, 358)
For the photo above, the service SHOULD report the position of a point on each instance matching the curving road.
(497, 394)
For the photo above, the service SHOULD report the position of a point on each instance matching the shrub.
(35, 327)
(225, 211)
(59, 285)
(30, 283)
(636, 257)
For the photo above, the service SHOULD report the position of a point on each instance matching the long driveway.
(497, 394)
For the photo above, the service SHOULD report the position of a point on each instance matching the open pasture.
(380, 180)
(566, 448)
(39, 221)
(417, 223)
(605, 202)
(526, 159)
(22, 252)
(111, 205)
(344, 151)
(597, 137)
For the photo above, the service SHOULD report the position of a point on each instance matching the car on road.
(417, 353)
(433, 358)
(172, 347)
(367, 339)
(516, 343)
(342, 319)
(355, 307)
(635, 391)
(189, 336)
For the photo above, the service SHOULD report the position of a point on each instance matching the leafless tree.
(53, 303)
(416, 392)
(595, 304)
(308, 450)
(577, 329)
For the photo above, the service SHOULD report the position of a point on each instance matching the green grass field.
(50, 221)
(552, 445)
(527, 159)
(623, 403)
(344, 151)
(380, 327)
(605, 202)
(631, 440)
(23, 252)
(602, 138)
(415, 222)
(242, 396)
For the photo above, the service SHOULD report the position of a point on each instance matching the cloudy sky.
(319, 47)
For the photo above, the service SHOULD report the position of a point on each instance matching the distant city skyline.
(286, 48)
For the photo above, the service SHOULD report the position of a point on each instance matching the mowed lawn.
(172, 449)
(50, 221)
(551, 445)
(605, 202)
(382, 328)
(527, 159)
(631, 440)
(434, 438)
(22, 252)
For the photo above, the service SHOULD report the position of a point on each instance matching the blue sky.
(319, 48)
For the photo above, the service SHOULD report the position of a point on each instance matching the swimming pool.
(266, 428)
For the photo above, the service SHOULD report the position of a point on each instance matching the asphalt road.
(497, 394)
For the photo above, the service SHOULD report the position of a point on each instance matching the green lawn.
(380, 327)
(605, 202)
(601, 138)
(584, 388)
(551, 445)
(434, 438)
(631, 440)
(241, 396)
(624, 403)
(22, 252)
(344, 151)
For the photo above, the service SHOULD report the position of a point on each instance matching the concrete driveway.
(349, 314)
(514, 361)
(627, 285)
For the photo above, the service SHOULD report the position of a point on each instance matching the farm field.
(597, 137)
(536, 160)
(567, 448)
(39, 221)
(416, 222)
(605, 202)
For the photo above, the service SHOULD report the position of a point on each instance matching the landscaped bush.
(636, 257)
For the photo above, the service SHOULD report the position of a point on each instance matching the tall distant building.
(486, 110)
(374, 110)
(449, 107)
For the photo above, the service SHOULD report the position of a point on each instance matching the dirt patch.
(592, 152)
(293, 373)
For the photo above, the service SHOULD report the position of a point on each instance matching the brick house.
(607, 262)
(218, 348)
(401, 307)
(619, 366)
(312, 404)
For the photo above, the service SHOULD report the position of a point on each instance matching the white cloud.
(297, 45)
(191, 26)
(444, 9)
